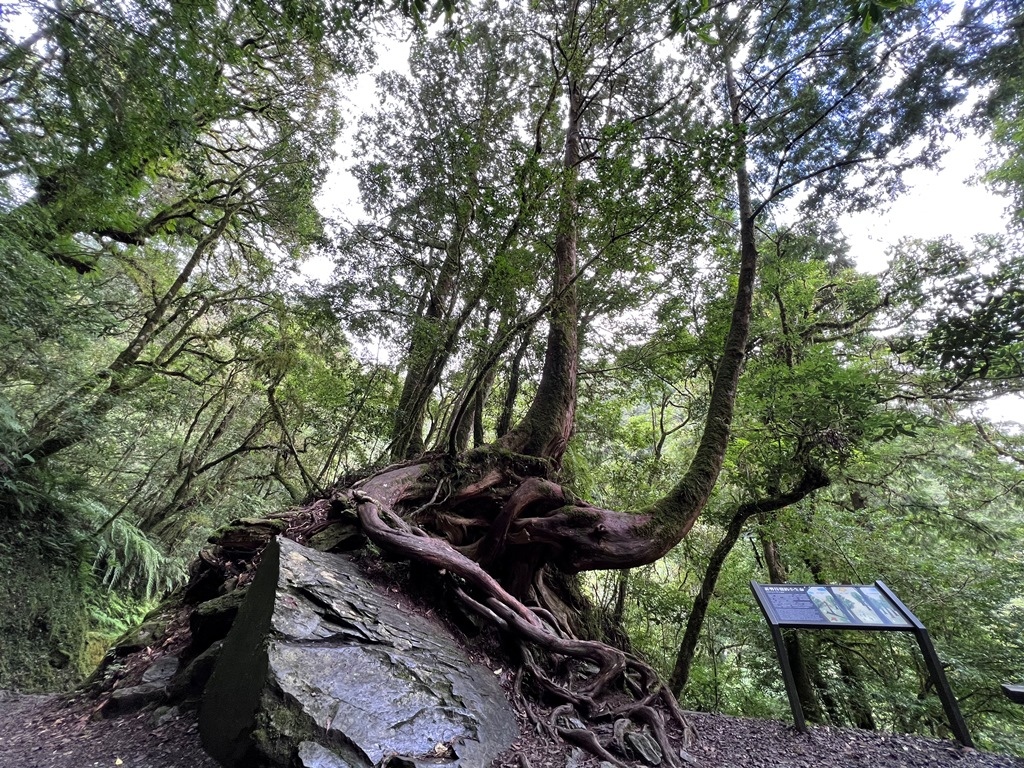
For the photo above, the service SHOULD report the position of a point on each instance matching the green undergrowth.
(44, 619)
(60, 608)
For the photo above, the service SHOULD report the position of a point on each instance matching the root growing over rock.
(606, 701)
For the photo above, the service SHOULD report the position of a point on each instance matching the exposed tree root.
(585, 679)
(587, 739)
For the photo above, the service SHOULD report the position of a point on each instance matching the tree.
(990, 59)
(171, 140)
(157, 173)
(627, 180)
(453, 187)
(800, 97)
(965, 332)
(820, 390)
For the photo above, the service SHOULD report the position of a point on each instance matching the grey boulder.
(321, 668)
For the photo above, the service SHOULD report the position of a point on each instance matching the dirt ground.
(62, 732)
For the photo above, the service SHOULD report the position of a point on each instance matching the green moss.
(44, 618)
(492, 456)
(94, 649)
(667, 516)
(251, 527)
(278, 726)
(278, 525)
(56, 619)
(580, 517)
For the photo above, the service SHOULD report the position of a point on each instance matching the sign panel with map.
(860, 606)
(848, 606)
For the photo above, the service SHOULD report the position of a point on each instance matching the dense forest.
(594, 342)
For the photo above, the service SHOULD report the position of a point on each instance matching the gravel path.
(733, 742)
(58, 732)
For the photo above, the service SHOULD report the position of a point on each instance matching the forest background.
(164, 368)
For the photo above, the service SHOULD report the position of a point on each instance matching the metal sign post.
(871, 607)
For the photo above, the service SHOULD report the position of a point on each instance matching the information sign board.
(848, 606)
(812, 605)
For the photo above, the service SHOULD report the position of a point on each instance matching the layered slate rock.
(322, 669)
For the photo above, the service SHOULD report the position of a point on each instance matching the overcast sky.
(941, 202)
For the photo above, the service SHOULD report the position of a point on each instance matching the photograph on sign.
(856, 605)
(881, 604)
(828, 606)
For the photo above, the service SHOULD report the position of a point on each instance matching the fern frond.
(128, 560)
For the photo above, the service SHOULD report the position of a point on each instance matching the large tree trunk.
(584, 537)
(545, 429)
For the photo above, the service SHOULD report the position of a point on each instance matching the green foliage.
(937, 517)
(990, 59)
(161, 373)
(132, 563)
(869, 13)
(157, 175)
(970, 331)
(927, 505)
(43, 617)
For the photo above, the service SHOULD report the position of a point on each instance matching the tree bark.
(812, 480)
(676, 513)
(545, 429)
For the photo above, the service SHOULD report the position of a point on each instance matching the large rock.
(323, 669)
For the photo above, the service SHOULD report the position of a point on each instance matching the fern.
(127, 560)
(11, 434)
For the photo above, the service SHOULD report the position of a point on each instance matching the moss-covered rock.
(44, 618)
(338, 537)
(212, 620)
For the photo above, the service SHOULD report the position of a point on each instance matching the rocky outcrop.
(321, 668)
(152, 689)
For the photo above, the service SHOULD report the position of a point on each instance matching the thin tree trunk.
(512, 391)
(853, 681)
(801, 674)
(812, 480)
(621, 590)
(428, 354)
(679, 510)
(479, 403)
(70, 420)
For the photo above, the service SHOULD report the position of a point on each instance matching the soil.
(64, 732)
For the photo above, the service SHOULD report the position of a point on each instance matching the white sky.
(941, 202)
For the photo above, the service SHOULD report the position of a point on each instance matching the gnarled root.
(601, 669)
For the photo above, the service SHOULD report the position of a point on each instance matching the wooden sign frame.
(871, 607)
